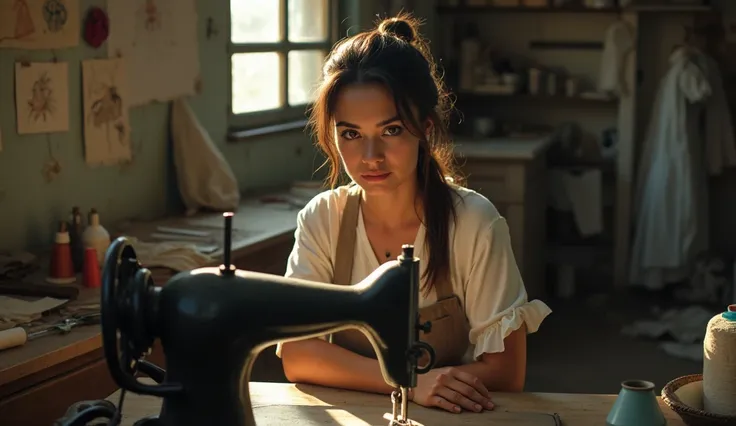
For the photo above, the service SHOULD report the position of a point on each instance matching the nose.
(373, 150)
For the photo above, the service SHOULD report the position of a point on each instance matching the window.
(277, 48)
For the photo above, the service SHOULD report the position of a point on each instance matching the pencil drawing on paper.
(55, 15)
(107, 108)
(39, 24)
(151, 16)
(23, 21)
(41, 102)
(42, 97)
(160, 32)
(107, 134)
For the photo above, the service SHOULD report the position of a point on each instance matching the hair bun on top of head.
(399, 27)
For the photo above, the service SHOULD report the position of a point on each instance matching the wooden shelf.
(450, 10)
(604, 165)
(523, 97)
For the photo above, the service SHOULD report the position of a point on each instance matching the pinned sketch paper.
(39, 24)
(106, 124)
(158, 39)
(42, 97)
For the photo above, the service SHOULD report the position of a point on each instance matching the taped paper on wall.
(42, 97)
(106, 122)
(39, 24)
(158, 39)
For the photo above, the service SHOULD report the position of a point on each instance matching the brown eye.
(393, 131)
(349, 134)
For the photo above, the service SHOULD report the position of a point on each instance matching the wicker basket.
(690, 414)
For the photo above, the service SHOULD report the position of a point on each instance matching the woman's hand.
(452, 390)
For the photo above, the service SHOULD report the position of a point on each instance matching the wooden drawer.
(499, 182)
(85, 378)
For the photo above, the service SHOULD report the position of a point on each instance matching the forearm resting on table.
(504, 371)
(318, 362)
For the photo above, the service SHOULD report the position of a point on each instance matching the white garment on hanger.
(618, 43)
(671, 204)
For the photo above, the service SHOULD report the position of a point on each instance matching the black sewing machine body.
(213, 322)
(212, 328)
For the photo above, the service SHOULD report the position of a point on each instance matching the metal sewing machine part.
(213, 322)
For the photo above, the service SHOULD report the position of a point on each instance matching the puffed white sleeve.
(496, 299)
(310, 257)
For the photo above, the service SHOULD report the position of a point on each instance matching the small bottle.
(61, 270)
(75, 239)
(96, 236)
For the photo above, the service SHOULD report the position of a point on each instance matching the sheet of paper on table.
(14, 311)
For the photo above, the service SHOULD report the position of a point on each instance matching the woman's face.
(377, 150)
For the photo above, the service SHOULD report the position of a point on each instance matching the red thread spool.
(62, 267)
(91, 275)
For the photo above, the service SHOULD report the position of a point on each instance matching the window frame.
(255, 122)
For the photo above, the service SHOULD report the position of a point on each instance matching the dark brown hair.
(394, 54)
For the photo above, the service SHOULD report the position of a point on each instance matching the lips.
(374, 177)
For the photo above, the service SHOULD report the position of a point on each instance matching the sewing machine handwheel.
(124, 301)
(83, 412)
(419, 347)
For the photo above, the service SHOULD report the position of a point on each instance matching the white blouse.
(483, 270)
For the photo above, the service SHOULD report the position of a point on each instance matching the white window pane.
(305, 71)
(307, 20)
(255, 21)
(255, 82)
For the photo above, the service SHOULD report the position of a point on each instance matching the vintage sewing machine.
(213, 322)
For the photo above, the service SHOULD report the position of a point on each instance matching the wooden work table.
(55, 371)
(303, 405)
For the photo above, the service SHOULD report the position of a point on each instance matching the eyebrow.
(355, 126)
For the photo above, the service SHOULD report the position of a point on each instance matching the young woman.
(380, 117)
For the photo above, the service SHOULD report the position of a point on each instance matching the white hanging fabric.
(671, 203)
(204, 177)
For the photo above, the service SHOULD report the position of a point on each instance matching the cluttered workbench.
(56, 370)
(304, 405)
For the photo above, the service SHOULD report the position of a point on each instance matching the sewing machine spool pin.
(227, 268)
(213, 323)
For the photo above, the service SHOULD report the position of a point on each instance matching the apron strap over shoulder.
(443, 289)
(346, 238)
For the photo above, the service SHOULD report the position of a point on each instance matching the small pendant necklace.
(388, 255)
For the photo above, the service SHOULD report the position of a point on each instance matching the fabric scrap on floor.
(686, 327)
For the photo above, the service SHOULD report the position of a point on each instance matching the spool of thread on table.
(13, 337)
(719, 364)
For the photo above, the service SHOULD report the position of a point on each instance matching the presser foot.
(400, 412)
(399, 422)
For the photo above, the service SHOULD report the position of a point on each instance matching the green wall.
(30, 206)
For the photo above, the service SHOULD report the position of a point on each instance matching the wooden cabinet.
(517, 187)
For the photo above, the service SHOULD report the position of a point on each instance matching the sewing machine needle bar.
(405, 405)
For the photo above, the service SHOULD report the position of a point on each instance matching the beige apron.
(450, 328)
